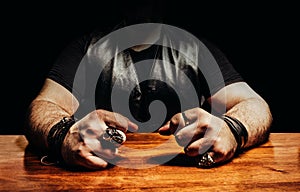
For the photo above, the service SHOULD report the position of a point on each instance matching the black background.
(259, 39)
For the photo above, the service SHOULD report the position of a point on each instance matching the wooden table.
(274, 166)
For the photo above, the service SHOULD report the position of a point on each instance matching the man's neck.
(142, 47)
(150, 40)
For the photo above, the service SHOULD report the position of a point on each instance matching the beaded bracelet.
(239, 131)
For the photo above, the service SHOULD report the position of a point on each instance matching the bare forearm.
(41, 116)
(256, 116)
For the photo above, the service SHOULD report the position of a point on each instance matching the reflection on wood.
(150, 162)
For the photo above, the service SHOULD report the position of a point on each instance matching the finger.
(114, 119)
(191, 132)
(222, 151)
(202, 146)
(132, 126)
(107, 153)
(113, 136)
(87, 159)
(199, 147)
(175, 123)
(165, 129)
(101, 149)
(217, 157)
(95, 162)
(187, 134)
(183, 119)
(206, 160)
(118, 121)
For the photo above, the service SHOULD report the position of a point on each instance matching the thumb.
(94, 162)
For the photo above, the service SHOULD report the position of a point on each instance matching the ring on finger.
(206, 160)
(114, 136)
(185, 119)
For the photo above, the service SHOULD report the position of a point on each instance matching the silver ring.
(114, 136)
(186, 121)
(206, 160)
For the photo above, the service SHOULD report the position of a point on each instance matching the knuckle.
(100, 111)
(182, 141)
(197, 112)
(191, 151)
(174, 121)
(224, 152)
(178, 138)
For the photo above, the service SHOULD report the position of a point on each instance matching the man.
(104, 85)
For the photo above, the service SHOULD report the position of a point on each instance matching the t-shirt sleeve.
(229, 73)
(64, 68)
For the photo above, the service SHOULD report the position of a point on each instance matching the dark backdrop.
(259, 39)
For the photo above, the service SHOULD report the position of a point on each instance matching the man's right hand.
(84, 144)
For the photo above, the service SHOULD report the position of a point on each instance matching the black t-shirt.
(149, 86)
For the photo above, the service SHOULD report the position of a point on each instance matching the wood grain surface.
(150, 162)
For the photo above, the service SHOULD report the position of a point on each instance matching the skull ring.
(114, 136)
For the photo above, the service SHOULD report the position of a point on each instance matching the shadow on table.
(179, 160)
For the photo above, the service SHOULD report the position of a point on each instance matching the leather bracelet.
(56, 137)
(238, 130)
